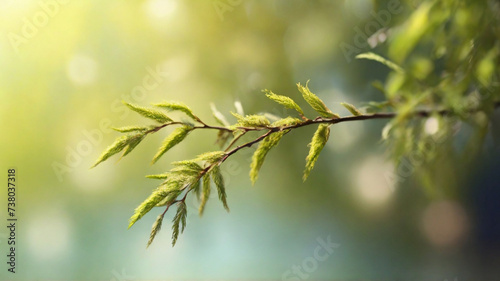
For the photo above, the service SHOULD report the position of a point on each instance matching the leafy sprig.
(198, 174)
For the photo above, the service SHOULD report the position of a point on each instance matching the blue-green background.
(59, 84)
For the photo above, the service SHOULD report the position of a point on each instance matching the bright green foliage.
(438, 62)
(156, 115)
(420, 21)
(196, 188)
(288, 121)
(378, 58)
(485, 69)
(177, 106)
(315, 102)
(354, 111)
(205, 194)
(155, 229)
(251, 120)
(172, 140)
(284, 101)
(119, 144)
(211, 157)
(187, 167)
(132, 143)
(129, 129)
(156, 197)
(179, 221)
(171, 196)
(450, 52)
(317, 143)
(219, 183)
(260, 154)
(158, 176)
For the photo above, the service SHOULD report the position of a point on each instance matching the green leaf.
(354, 111)
(132, 143)
(158, 176)
(382, 60)
(219, 117)
(260, 154)
(119, 144)
(131, 129)
(155, 229)
(149, 113)
(196, 189)
(251, 120)
(485, 68)
(179, 221)
(205, 194)
(284, 101)
(188, 167)
(171, 196)
(315, 102)
(172, 140)
(211, 157)
(177, 106)
(189, 164)
(179, 180)
(158, 195)
(219, 183)
(288, 121)
(318, 142)
(407, 37)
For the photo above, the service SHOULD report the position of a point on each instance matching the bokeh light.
(445, 223)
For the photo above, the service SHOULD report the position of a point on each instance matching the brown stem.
(213, 128)
(235, 139)
(248, 144)
(306, 122)
(318, 120)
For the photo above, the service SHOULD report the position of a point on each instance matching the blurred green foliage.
(429, 78)
(448, 51)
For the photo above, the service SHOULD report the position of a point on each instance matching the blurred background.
(66, 67)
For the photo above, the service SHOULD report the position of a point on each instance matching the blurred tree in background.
(443, 76)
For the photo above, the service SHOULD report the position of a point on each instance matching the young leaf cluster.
(196, 175)
(428, 78)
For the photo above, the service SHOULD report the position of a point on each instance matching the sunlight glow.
(82, 70)
(49, 234)
(431, 126)
(444, 223)
(160, 9)
(370, 181)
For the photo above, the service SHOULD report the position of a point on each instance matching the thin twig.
(271, 130)
(235, 139)
(248, 144)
